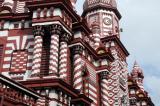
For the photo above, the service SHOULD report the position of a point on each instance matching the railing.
(16, 93)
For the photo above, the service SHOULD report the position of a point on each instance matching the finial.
(135, 64)
(137, 71)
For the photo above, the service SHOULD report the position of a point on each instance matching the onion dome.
(137, 71)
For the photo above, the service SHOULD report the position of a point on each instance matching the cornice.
(117, 40)
(64, 4)
(100, 6)
(107, 55)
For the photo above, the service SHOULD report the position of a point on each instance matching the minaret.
(103, 19)
(137, 75)
(105, 13)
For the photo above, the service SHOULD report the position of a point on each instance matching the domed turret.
(137, 71)
(137, 75)
(104, 13)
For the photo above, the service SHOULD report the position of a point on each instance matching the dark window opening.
(45, 55)
(16, 25)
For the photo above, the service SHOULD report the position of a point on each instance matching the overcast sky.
(141, 36)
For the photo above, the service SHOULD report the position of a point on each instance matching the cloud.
(141, 26)
(152, 85)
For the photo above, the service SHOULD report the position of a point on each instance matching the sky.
(141, 25)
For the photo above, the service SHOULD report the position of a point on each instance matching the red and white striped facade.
(49, 48)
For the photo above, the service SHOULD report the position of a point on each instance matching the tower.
(105, 13)
(138, 96)
(103, 19)
(137, 74)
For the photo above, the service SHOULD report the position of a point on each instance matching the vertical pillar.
(56, 31)
(38, 32)
(104, 88)
(96, 34)
(63, 56)
(77, 73)
(53, 94)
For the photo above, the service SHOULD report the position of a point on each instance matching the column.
(55, 31)
(104, 88)
(96, 34)
(53, 94)
(63, 69)
(38, 32)
(41, 102)
(77, 73)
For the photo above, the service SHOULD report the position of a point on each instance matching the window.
(16, 25)
(132, 101)
(1, 54)
(19, 61)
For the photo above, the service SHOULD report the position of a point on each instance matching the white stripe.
(23, 42)
(8, 51)
(7, 59)
(10, 45)
(6, 66)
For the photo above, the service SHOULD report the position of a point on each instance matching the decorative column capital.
(103, 75)
(77, 49)
(65, 37)
(38, 30)
(56, 29)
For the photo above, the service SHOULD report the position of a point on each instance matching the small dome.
(94, 3)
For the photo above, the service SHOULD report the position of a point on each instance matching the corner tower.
(105, 16)
(105, 13)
